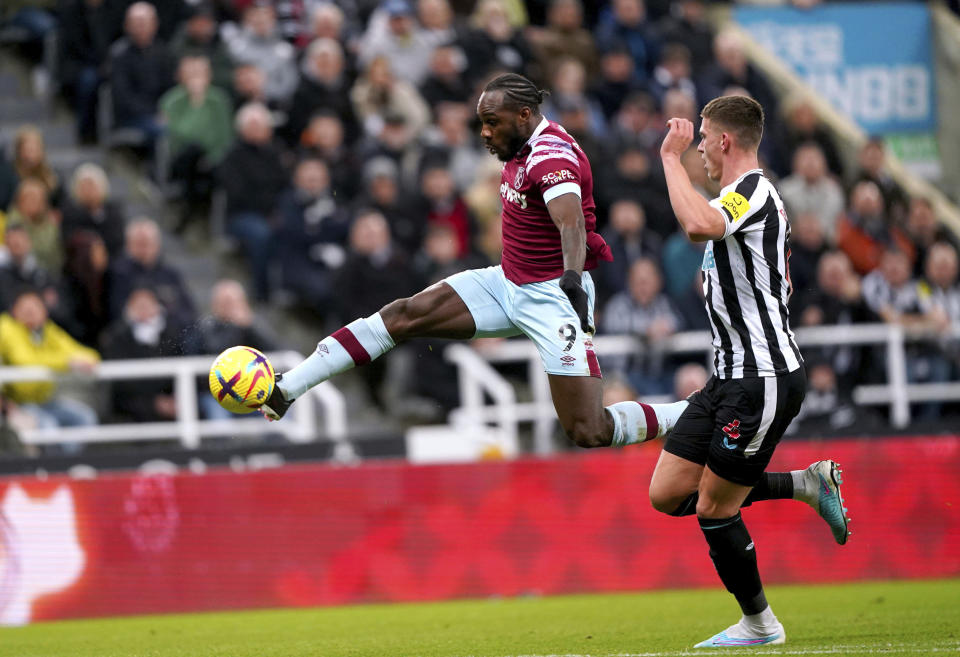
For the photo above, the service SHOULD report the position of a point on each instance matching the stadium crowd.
(341, 137)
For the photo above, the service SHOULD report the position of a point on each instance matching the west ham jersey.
(549, 165)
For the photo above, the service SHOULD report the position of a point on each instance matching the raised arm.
(699, 220)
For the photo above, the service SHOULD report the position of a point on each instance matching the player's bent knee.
(709, 508)
(666, 499)
(661, 501)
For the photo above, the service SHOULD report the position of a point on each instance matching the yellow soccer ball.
(241, 379)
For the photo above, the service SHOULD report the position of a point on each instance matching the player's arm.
(699, 220)
(567, 213)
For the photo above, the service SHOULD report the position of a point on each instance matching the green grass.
(888, 618)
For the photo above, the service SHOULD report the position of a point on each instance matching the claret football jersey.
(549, 165)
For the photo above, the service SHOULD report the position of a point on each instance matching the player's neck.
(736, 164)
(532, 126)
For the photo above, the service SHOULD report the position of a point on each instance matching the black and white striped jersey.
(746, 282)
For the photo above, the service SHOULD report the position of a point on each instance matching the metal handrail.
(188, 427)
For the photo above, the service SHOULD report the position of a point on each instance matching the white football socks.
(802, 488)
(636, 422)
(357, 343)
(762, 624)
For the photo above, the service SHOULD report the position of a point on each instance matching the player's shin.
(355, 344)
(735, 559)
(636, 422)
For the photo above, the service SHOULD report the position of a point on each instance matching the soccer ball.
(241, 379)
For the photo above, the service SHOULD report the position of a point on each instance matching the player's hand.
(679, 137)
(570, 284)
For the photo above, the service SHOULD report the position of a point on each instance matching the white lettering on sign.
(806, 47)
(876, 93)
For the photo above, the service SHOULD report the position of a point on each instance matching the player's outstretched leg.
(819, 486)
(578, 401)
(436, 312)
(636, 422)
(357, 343)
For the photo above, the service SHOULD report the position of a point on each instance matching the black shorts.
(733, 425)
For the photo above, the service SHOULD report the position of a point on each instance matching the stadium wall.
(322, 535)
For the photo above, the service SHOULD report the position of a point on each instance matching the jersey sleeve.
(554, 168)
(740, 206)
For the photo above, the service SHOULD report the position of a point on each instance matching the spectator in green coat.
(199, 124)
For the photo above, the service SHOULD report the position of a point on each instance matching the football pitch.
(877, 618)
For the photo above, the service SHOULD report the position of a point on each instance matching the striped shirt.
(746, 282)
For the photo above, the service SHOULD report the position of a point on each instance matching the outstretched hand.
(679, 137)
(570, 284)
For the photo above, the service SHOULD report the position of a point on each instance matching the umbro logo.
(323, 348)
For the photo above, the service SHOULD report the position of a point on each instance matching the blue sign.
(871, 61)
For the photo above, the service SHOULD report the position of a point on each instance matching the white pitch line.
(835, 650)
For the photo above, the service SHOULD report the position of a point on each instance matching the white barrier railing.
(299, 425)
(896, 392)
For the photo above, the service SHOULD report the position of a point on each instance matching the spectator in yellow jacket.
(28, 337)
